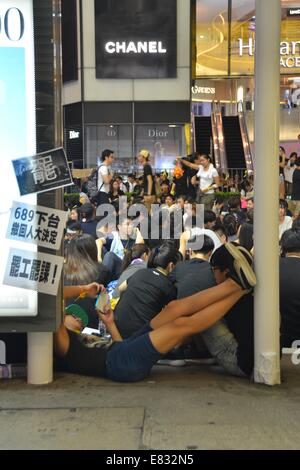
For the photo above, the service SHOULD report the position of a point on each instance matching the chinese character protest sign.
(34, 271)
(42, 172)
(40, 225)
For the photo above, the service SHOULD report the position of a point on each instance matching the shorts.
(131, 360)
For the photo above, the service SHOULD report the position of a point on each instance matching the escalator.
(225, 138)
(233, 142)
(203, 134)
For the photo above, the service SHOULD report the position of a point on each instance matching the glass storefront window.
(242, 36)
(212, 38)
(213, 31)
(164, 143)
(114, 137)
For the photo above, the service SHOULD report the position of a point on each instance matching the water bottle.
(102, 328)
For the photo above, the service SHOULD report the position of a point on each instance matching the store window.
(114, 137)
(212, 38)
(164, 143)
(242, 37)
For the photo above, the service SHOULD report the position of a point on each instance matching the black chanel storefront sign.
(136, 38)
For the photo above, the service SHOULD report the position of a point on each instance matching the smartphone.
(101, 301)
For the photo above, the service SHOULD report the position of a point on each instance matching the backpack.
(92, 183)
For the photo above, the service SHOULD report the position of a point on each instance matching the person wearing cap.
(132, 360)
(148, 179)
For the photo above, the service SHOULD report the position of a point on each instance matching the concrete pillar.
(266, 138)
(40, 358)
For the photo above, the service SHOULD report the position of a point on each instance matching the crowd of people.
(187, 295)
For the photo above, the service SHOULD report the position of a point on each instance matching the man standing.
(148, 179)
(104, 177)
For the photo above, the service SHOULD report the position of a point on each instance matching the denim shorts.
(131, 360)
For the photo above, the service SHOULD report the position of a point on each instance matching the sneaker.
(174, 358)
(241, 267)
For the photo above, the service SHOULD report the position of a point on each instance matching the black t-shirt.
(192, 276)
(147, 293)
(147, 172)
(240, 321)
(84, 358)
(289, 300)
(181, 185)
(296, 186)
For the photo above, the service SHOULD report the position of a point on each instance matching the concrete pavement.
(195, 407)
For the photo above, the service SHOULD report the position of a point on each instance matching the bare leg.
(194, 303)
(170, 334)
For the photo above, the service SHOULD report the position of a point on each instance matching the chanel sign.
(135, 38)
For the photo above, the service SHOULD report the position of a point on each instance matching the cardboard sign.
(40, 225)
(34, 271)
(42, 172)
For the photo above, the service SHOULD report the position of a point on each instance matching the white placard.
(33, 271)
(42, 226)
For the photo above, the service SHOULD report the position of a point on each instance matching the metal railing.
(245, 138)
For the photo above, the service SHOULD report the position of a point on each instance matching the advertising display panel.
(17, 135)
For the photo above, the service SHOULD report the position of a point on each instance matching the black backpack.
(92, 183)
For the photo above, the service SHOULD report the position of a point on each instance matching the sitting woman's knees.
(182, 322)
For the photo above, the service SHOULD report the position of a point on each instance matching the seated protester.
(74, 214)
(234, 208)
(115, 192)
(131, 182)
(193, 231)
(250, 203)
(164, 192)
(209, 219)
(296, 223)
(218, 205)
(195, 274)
(289, 269)
(231, 340)
(133, 359)
(169, 203)
(81, 267)
(163, 228)
(122, 186)
(221, 232)
(285, 222)
(88, 220)
(138, 190)
(250, 216)
(135, 259)
(116, 243)
(245, 234)
(73, 229)
(148, 291)
(231, 225)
